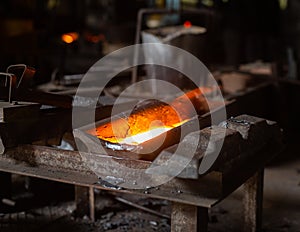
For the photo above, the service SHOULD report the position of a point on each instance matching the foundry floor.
(281, 208)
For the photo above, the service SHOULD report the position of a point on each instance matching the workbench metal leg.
(253, 199)
(85, 202)
(188, 218)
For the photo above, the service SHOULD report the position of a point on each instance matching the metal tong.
(18, 81)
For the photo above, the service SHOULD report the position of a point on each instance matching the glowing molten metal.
(153, 118)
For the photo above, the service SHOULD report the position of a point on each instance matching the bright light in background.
(208, 3)
(69, 37)
(283, 4)
(94, 38)
(187, 24)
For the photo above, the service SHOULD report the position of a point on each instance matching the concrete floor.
(281, 206)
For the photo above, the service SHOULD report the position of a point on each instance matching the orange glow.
(145, 136)
(187, 24)
(153, 119)
(69, 37)
(94, 38)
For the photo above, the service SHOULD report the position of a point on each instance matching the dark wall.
(240, 31)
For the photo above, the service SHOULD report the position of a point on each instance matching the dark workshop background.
(238, 32)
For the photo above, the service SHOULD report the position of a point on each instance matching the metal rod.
(8, 202)
(130, 203)
(15, 66)
(9, 91)
(92, 203)
(10, 76)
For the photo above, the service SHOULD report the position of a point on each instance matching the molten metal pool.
(153, 117)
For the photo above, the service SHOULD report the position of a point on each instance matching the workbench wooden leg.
(188, 218)
(85, 202)
(253, 199)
